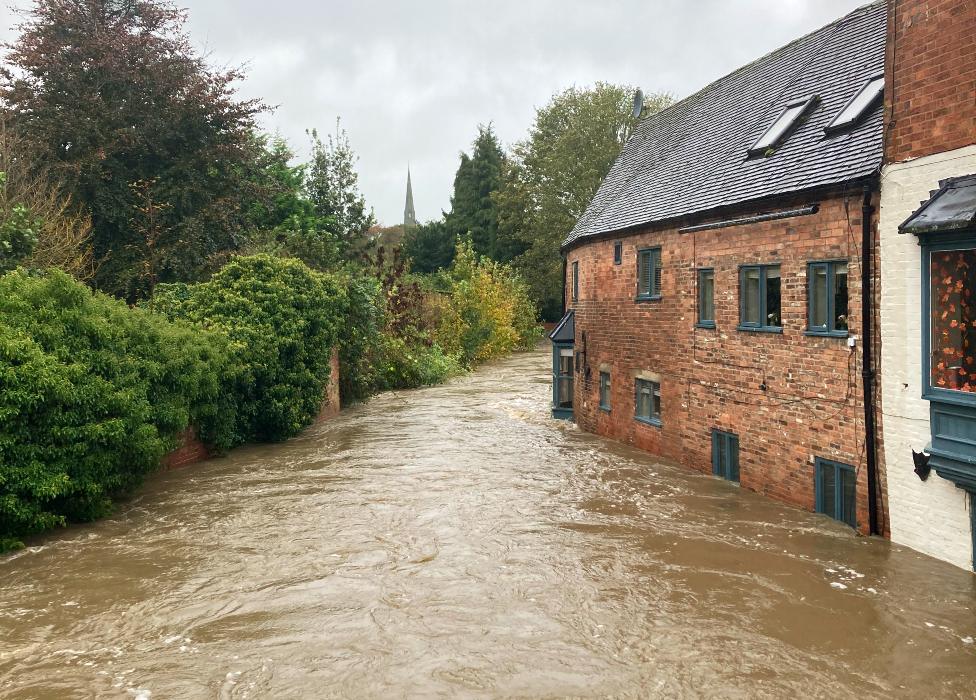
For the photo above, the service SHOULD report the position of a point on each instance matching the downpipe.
(867, 362)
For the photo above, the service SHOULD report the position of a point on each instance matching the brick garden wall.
(930, 87)
(710, 378)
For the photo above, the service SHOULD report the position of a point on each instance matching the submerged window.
(575, 280)
(725, 455)
(827, 298)
(759, 292)
(835, 487)
(778, 130)
(648, 402)
(952, 319)
(605, 391)
(858, 105)
(649, 273)
(706, 298)
(618, 252)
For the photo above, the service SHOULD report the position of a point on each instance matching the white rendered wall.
(931, 516)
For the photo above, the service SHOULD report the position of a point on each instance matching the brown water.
(456, 541)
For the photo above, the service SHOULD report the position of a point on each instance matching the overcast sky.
(412, 80)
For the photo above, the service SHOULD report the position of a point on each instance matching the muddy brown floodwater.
(456, 541)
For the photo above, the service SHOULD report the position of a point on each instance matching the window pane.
(575, 280)
(566, 392)
(656, 257)
(818, 296)
(953, 316)
(720, 457)
(772, 297)
(750, 293)
(618, 250)
(656, 401)
(848, 501)
(864, 99)
(827, 501)
(733, 458)
(643, 399)
(840, 296)
(779, 127)
(706, 295)
(643, 275)
(566, 362)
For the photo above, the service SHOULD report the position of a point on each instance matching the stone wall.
(790, 397)
(932, 517)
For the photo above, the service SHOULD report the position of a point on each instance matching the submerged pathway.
(455, 541)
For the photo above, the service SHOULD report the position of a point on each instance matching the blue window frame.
(706, 297)
(647, 402)
(575, 280)
(836, 490)
(563, 365)
(760, 298)
(605, 391)
(618, 253)
(827, 307)
(649, 274)
(725, 455)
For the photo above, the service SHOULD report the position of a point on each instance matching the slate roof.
(692, 157)
(949, 208)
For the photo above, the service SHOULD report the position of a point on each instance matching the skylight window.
(780, 128)
(858, 106)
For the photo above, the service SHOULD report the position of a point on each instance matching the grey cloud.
(411, 80)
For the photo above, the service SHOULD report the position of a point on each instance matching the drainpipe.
(867, 371)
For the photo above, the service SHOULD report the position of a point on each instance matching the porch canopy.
(950, 208)
(565, 332)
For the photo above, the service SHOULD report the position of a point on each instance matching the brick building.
(714, 284)
(928, 276)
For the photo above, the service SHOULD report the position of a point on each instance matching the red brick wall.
(930, 86)
(710, 378)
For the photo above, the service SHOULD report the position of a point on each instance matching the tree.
(430, 247)
(473, 212)
(552, 175)
(332, 185)
(111, 94)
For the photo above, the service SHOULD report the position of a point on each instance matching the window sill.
(647, 297)
(949, 396)
(826, 334)
(605, 409)
(705, 324)
(656, 422)
(760, 329)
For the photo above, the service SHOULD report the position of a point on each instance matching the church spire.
(409, 215)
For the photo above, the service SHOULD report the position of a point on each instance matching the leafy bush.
(487, 312)
(18, 231)
(282, 320)
(92, 395)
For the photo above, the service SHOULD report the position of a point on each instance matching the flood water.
(457, 542)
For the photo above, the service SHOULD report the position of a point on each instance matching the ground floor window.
(605, 391)
(648, 402)
(564, 379)
(835, 490)
(725, 455)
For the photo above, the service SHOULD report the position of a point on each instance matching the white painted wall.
(931, 516)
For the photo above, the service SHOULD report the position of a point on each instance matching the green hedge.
(92, 395)
(281, 320)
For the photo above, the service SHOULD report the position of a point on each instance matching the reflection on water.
(456, 541)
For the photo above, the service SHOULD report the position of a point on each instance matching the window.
(605, 391)
(575, 280)
(648, 402)
(779, 129)
(649, 273)
(725, 455)
(618, 253)
(564, 378)
(827, 298)
(952, 320)
(706, 298)
(759, 298)
(858, 105)
(835, 490)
